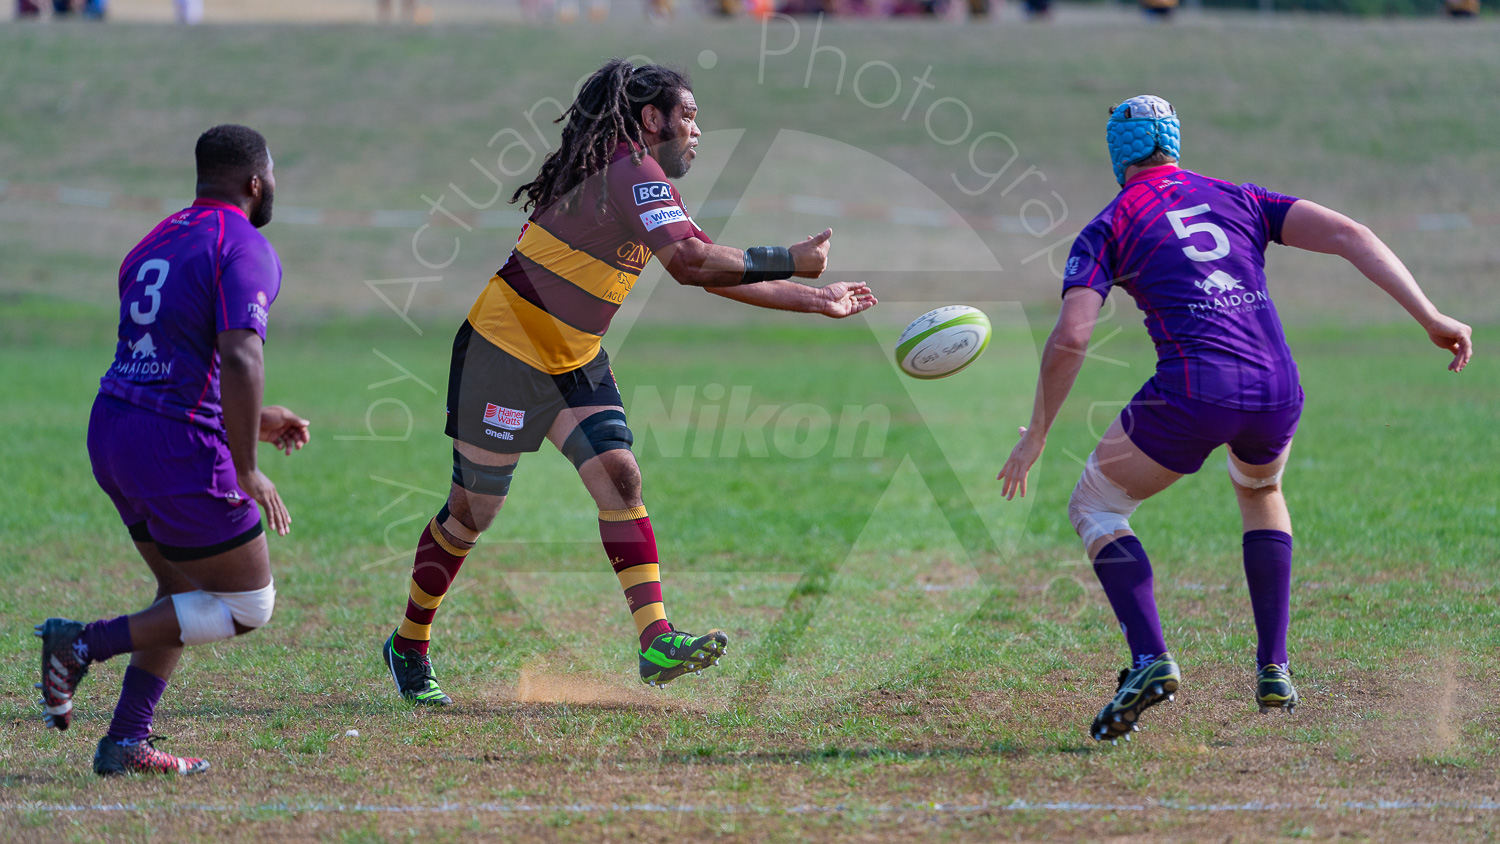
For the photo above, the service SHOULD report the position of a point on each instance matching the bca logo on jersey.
(504, 417)
(652, 192)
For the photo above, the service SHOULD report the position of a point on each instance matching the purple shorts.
(1180, 433)
(172, 476)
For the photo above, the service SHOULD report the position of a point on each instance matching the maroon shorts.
(172, 482)
(1180, 433)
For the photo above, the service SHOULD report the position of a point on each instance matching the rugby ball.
(942, 341)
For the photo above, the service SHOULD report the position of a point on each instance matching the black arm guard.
(768, 263)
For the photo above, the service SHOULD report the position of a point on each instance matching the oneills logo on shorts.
(503, 417)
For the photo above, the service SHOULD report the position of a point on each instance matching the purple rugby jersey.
(1191, 251)
(202, 271)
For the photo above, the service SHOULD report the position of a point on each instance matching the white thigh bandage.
(203, 617)
(251, 609)
(1248, 482)
(210, 616)
(1098, 508)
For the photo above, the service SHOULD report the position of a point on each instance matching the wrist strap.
(767, 263)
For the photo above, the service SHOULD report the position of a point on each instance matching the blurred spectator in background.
(927, 8)
(189, 11)
(408, 9)
(62, 8)
(1038, 10)
(1461, 8)
(1159, 9)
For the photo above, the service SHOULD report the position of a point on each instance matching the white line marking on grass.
(805, 809)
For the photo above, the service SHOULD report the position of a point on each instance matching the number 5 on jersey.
(152, 291)
(1185, 230)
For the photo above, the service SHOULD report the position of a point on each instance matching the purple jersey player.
(1190, 250)
(172, 440)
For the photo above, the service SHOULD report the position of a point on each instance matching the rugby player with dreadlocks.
(1190, 250)
(528, 365)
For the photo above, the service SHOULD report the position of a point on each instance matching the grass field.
(913, 658)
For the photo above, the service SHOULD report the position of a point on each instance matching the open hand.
(810, 257)
(259, 487)
(1018, 466)
(283, 429)
(847, 298)
(1450, 334)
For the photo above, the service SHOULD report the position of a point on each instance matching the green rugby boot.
(675, 653)
(412, 672)
(1140, 689)
(1274, 689)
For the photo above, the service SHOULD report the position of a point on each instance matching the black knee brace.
(481, 479)
(604, 431)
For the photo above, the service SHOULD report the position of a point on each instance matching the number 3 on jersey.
(152, 291)
(1186, 230)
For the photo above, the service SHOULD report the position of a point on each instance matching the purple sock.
(103, 639)
(138, 699)
(1268, 571)
(1125, 572)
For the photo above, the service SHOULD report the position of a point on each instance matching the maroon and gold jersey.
(553, 300)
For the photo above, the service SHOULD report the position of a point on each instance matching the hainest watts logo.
(504, 417)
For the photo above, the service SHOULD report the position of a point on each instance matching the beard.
(261, 214)
(672, 152)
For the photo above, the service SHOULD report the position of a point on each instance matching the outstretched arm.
(1062, 358)
(1310, 226)
(698, 263)
(837, 300)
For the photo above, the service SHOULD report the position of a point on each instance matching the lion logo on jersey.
(1219, 282)
(143, 348)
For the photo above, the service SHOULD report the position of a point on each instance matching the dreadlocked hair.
(606, 113)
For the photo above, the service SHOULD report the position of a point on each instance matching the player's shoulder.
(640, 182)
(1224, 185)
(242, 235)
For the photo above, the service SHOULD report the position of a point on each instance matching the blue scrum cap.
(1137, 128)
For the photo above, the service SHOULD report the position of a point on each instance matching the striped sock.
(432, 572)
(631, 546)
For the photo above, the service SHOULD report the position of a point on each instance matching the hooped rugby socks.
(436, 564)
(631, 545)
(103, 639)
(1268, 572)
(138, 698)
(1124, 571)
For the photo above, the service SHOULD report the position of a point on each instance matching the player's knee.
(204, 617)
(1097, 507)
(596, 434)
(1246, 486)
(481, 479)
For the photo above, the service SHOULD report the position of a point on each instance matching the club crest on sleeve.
(652, 192)
(504, 417)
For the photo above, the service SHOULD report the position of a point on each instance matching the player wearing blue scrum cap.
(1190, 250)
